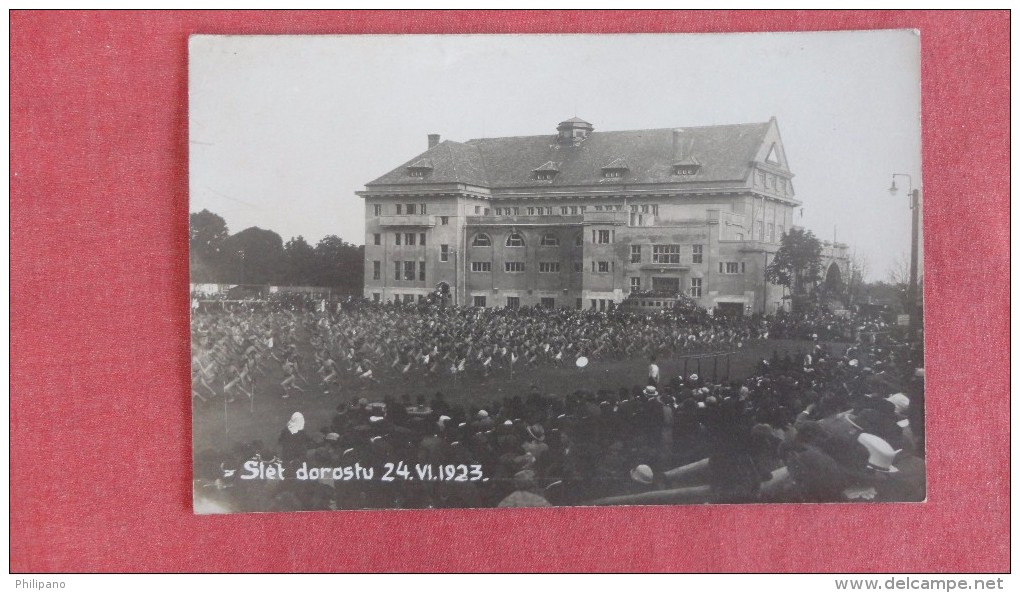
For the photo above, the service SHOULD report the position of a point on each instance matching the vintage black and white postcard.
(540, 270)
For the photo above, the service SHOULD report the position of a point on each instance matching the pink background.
(100, 416)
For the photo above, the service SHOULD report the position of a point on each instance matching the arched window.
(515, 240)
(550, 241)
(481, 240)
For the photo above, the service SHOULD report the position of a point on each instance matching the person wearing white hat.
(653, 372)
(880, 453)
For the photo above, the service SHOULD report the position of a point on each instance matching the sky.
(284, 129)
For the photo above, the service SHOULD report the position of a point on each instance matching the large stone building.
(583, 219)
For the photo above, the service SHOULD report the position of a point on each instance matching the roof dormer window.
(615, 169)
(686, 167)
(420, 168)
(546, 172)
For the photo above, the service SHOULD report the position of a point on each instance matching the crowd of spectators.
(831, 424)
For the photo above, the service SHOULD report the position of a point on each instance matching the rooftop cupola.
(573, 131)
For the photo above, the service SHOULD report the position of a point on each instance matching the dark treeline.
(259, 256)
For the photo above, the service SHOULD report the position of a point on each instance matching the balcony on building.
(524, 220)
(615, 217)
(408, 220)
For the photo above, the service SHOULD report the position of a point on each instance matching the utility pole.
(915, 224)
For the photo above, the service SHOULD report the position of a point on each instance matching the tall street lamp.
(915, 222)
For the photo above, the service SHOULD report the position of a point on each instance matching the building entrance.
(731, 309)
(665, 284)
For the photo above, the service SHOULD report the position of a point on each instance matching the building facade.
(583, 219)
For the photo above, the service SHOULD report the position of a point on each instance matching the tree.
(207, 235)
(299, 262)
(859, 270)
(899, 270)
(797, 263)
(339, 264)
(254, 256)
(898, 275)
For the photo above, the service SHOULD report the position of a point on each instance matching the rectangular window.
(409, 238)
(579, 303)
(603, 267)
(444, 253)
(400, 209)
(397, 237)
(478, 301)
(408, 299)
(594, 304)
(376, 297)
(421, 271)
(377, 239)
(742, 269)
(513, 302)
(423, 209)
(516, 211)
(478, 209)
(761, 178)
(759, 230)
(377, 209)
(531, 210)
(739, 236)
(548, 302)
(421, 239)
(421, 299)
(577, 266)
(665, 254)
(410, 208)
(499, 212)
(481, 266)
(598, 208)
(635, 254)
(603, 237)
(781, 232)
(635, 283)
(549, 267)
(772, 233)
(644, 208)
(573, 209)
(409, 270)
(513, 266)
(696, 288)
(444, 220)
(697, 251)
(564, 210)
(729, 267)
(396, 270)
(376, 270)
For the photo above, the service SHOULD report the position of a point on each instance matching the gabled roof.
(548, 166)
(725, 153)
(617, 165)
(421, 164)
(689, 161)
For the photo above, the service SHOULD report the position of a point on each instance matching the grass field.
(217, 425)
